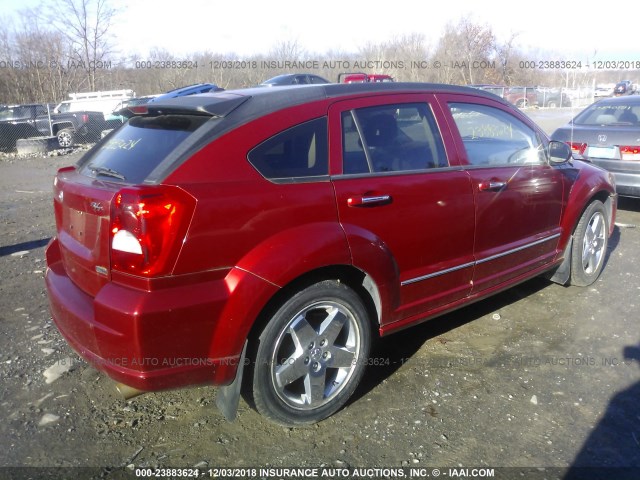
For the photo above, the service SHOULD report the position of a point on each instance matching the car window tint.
(300, 151)
(141, 144)
(494, 137)
(391, 138)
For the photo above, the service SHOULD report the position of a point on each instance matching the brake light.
(630, 152)
(139, 109)
(578, 148)
(148, 227)
(85, 118)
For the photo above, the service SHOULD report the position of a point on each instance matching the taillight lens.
(139, 109)
(148, 227)
(578, 148)
(628, 152)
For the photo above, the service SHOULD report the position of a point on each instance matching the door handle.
(369, 201)
(492, 185)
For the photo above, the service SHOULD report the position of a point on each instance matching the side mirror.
(559, 152)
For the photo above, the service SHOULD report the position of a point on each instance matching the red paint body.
(421, 254)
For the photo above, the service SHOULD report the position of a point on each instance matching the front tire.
(589, 245)
(311, 355)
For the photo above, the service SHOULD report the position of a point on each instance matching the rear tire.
(66, 138)
(311, 355)
(589, 245)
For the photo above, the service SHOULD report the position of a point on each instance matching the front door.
(518, 194)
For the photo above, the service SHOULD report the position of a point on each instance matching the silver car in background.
(607, 133)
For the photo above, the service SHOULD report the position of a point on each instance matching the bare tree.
(85, 24)
(287, 50)
(465, 50)
(396, 56)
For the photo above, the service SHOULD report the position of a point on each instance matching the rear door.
(519, 196)
(405, 206)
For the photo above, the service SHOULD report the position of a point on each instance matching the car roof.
(627, 100)
(264, 101)
(190, 87)
(286, 75)
(238, 107)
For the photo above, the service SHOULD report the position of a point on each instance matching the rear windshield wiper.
(107, 172)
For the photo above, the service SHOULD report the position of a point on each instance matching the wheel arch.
(562, 274)
(57, 127)
(278, 268)
(360, 282)
(603, 196)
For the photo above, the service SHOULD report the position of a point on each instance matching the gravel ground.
(539, 376)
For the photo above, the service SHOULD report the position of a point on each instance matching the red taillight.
(628, 152)
(148, 227)
(139, 109)
(578, 148)
(85, 118)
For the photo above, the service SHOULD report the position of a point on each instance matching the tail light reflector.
(148, 228)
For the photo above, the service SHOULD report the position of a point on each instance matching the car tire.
(552, 104)
(311, 354)
(66, 138)
(589, 245)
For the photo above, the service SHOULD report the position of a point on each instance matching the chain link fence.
(542, 97)
(40, 124)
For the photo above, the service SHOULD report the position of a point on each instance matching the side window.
(494, 137)
(300, 151)
(391, 138)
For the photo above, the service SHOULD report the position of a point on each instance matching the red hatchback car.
(284, 229)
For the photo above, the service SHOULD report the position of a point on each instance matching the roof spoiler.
(209, 104)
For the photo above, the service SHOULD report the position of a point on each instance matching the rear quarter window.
(140, 145)
(298, 152)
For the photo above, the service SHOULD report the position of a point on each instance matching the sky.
(253, 27)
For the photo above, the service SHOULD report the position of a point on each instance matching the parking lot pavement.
(551, 118)
(538, 376)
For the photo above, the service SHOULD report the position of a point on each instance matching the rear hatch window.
(138, 147)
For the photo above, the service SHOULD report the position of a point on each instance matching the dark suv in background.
(625, 87)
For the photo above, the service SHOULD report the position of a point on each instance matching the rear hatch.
(82, 207)
(85, 195)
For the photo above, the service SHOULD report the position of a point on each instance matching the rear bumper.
(628, 185)
(626, 173)
(153, 340)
